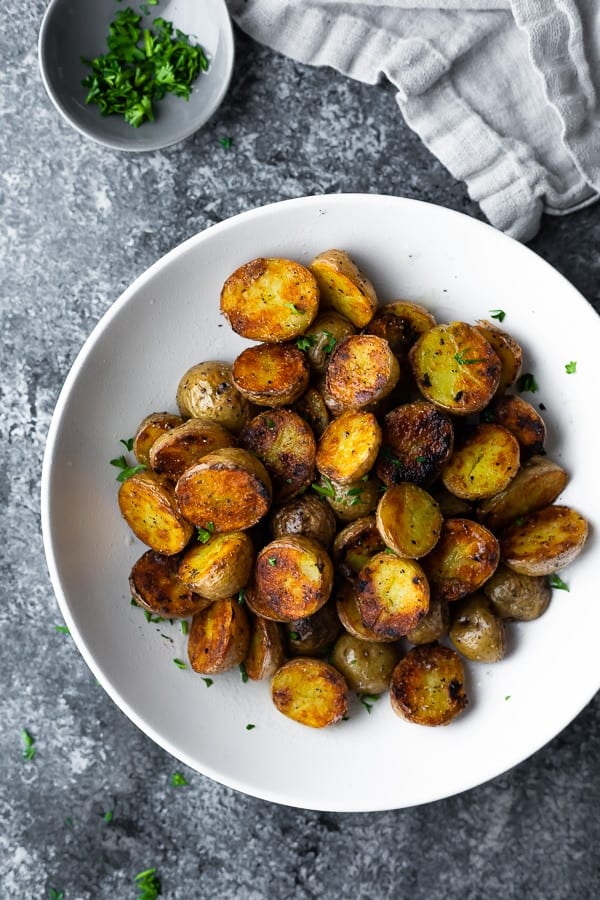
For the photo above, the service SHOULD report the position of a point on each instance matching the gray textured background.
(78, 224)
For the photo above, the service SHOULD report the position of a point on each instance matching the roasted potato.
(366, 666)
(271, 374)
(314, 634)
(355, 544)
(392, 594)
(427, 686)
(400, 323)
(514, 596)
(310, 691)
(349, 614)
(544, 541)
(265, 652)
(361, 371)
(230, 490)
(456, 368)
(450, 505)
(418, 439)
(409, 520)
(350, 501)
(148, 506)
(538, 483)
(319, 340)
(349, 446)
(522, 420)
(149, 429)
(293, 578)
(154, 585)
(475, 630)
(344, 287)
(307, 515)
(220, 567)
(182, 446)
(434, 624)
(207, 391)
(465, 556)
(219, 637)
(270, 300)
(484, 463)
(313, 409)
(286, 446)
(509, 353)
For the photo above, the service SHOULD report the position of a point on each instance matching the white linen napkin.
(506, 93)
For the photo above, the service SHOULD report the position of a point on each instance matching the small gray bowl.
(74, 28)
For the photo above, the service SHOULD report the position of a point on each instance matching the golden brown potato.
(400, 323)
(311, 692)
(314, 634)
(344, 287)
(349, 446)
(155, 586)
(418, 439)
(456, 368)
(180, 447)
(465, 556)
(207, 391)
(148, 506)
(270, 300)
(484, 463)
(544, 541)
(409, 520)
(433, 625)
(392, 594)
(220, 567)
(475, 630)
(149, 430)
(265, 651)
(538, 483)
(219, 637)
(230, 489)
(522, 420)
(362, 370)
(349, 614)
(427, 686)
(514, 596)
(271, 374)
(355, 544)
(293, 579)
(286, 446)
(509, 353)
(307, 515)
(366, 666)
(313, 409)
(350, 501)
(319, 340)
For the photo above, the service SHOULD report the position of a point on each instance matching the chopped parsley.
(208, 681)
(557, 583)
(571, 367)
(241, 596)
(326, 489)
(121, 462)
(250, 726)
(180, 664)
(62, 629)
(204, 534)
(498, 314)
(56, 895)
(527, 382)
(306, 341)
(243, 672)
(148, 884)
(367, 701)
(28, 744)
(184, 625)
(226, 142)
(272, 560)
(463, 361)
(178, 780)
(108, 816)
(293, 635)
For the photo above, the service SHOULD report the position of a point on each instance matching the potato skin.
(427, 686)
(149, 429)
(182, 446)
(307, 515)
(310, 691)
(220, 567)
(519, 597)
(344, 287)
(366, 666)
(418, 439)
(349, 446)
(465, 556)
(434, 624)
(270, 299)
(392, 594)
(154, 585)
(219, 637)
(361, 371)
(355, 544)
(293, 576)
(207, 391)
(148, 506)
(271, 374)
(286, 446)
(538, 483)
(544, 541)
(265, 651)
(509, 353)
(319, 340)
(476, 631)
(484, 463)
(313, 634)
(312, 408)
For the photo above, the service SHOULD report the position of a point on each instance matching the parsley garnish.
(208, 681)
(293, 635)
(178, 780)
(241, 596)
(243, 672)
(272, 560)
(120, 462)
(62, 629)
(507, 697)
(571, 367)
(180, 664)
(527, 383)
(184, 625)
(250, 726)
(557, 583)
(294, 309)
(498, 314)
(155, 620)
(367, 701)
(226, 142)
(28, 742)
(108, 816)
(463, 361)
(204, 534)
(326, 489)
(148, 884)
(56, 895)
(328, 347)
(306, 341)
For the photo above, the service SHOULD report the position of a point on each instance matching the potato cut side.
(476, 631)
(418, 438)
(483, 464)
(463, 559)
(311, 692)
(182, 446)
(361, 371)
(286, 446)
(538, 483)
(154, 585)
(207, 391)
(544, 541)
(522, 420)
(319, 340)
(270, 299)
(307, 515)
(219, 637)
(148, 506)
(514, 596)
(220, 567)
(409, 520)
(392, 594)
(149, 429)
(265, 652)
(355, 544)
(343, 286)
(293, 578)
(509, 353)
(456, 368)
(349, 447)
(229, 490)
(427, 686)
(349, 614)
(271, 374)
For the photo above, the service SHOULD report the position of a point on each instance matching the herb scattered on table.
(108, 816)
(178, 780)
(28, 744)
(61, 629)
(498, 314)
(148, 884)
(56, 895)
(226, 142)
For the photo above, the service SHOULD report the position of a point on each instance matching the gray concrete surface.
(78, 223)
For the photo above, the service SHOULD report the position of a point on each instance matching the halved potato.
(362, 370)
(514, 596)
(154, 585)
(544, 541)
(271, 374)
(456, 368)
(484, 463)
(400, 323)
(349, 446)
(313, 635)
(538, 483)
(219, 637)
(508, 350)
(319, 340)
(311, 692)
(285, 444)
(465, 556)
(180, 447)
(293, 578)
(230, 490)
(344, 287)
(427, 686)
(313, 409)
(307, 515)
(270, 299)
(522, 420)
(366, 666)
(148, 506)
(349, 614)
(207, 391)
(350, 501)
(475, 630)
(149, 429)
(392, 594)
(265, 651)
(355, 544)
(409, 520)
(220, 567)
(433, 625)
(418, 439)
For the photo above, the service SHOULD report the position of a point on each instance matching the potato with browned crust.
(355, 544)
(271, 374)
(313, 635)
(148, 506)
(321, 337)
(366, 666)
(475, 630)
(218, 567)
(509, 353)
(349, 614)
(265, 652)
(361, 371)
(308, 515)
(400, 323)
(293, 578)
(310, 691)
(409, 520)
(418, 438)
(427, 686)
(219, 637)
(484, 462)
(522, 420)
(270, 299)
(182, 446)
(544, 541)
(515, 596)
(538, 483)
(392, 594)
(286, 446)
(149, 429)
(463, 559)
(207, 391)
(349, 446)
(433, 625)
(344, 287)
(154, 585)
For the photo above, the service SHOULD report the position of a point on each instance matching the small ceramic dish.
(72, 29)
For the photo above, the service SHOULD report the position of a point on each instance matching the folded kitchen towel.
(506, 93)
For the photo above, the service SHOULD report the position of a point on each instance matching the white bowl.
(71, 29)
(167, 320)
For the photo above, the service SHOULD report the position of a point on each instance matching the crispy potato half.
(307, 515)
(465, 556)
(355, 544)
(271, 374)
(349, 446)
(344, 287)
(219, 637)
(349, 614)
(456, 368)
(314, 634)
(392, 594)
(522, 420)
(230, 489)
(514, 596)
(148, 506)
(207, 391)
(265, 651)
(310, 691)
(361, 371)
(509, 353)
(544, 541)
(366, 666)
(418, 438)
(319, 340)
(270, 299)
(475, 630)
(400, 323)
(427, 686)
(180, 447)
(220, 567)
(154, 585)
(286, 446)
(149, 429)
(538, 483)
(409, 520)
(484, 463)
(293, 577)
